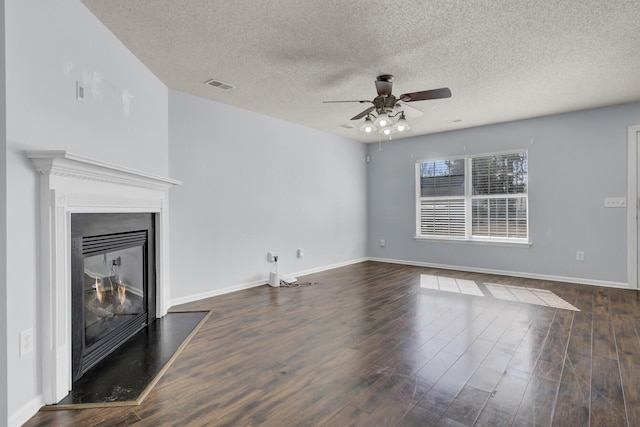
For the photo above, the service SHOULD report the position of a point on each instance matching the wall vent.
(219, 84)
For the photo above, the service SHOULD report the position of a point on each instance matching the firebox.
(113, 283)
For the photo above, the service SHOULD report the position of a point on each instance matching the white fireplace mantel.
(70, 183)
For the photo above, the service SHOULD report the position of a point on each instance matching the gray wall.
(253, 184)
(575, 161)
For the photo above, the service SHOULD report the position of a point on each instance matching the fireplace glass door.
(113, 290)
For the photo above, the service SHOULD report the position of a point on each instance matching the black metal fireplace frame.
(98, 233)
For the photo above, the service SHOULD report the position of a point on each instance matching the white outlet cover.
(26, 342)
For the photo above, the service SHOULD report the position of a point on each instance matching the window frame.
(469, 198)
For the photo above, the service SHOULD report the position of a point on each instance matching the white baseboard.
(26, 412)
(234, 288)
(580, 281)
(215, 292)
(324, 268)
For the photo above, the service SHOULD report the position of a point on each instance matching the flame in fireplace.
(111, 285)
(99, 291)
(122, 293)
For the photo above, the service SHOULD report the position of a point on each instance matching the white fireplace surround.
(74, 184)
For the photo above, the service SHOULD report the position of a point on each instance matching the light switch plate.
(615, 202)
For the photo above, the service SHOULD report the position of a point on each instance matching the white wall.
(253, 184)
(575, 161)
(49, 46)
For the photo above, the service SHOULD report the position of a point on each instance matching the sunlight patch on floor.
(522, 294)
(529, 296)
(448, 284)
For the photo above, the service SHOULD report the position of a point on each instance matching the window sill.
(487, 242)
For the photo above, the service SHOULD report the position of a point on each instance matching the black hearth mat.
(126, 376)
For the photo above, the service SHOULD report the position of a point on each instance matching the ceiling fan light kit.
(383, 120)
(368, 125)
(385, 103)
(402, 124)
(385, 124)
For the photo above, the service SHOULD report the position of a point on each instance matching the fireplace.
(71, 185)
(113, 283)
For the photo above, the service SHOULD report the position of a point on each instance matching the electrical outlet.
(579, 256)
(300, 253)
(26, 342)
(272, 257)
(383, 243)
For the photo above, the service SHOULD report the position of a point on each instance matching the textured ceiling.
(502, 59)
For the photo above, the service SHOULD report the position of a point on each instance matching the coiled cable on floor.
(284, 284)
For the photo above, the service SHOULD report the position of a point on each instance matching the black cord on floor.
(284, 284)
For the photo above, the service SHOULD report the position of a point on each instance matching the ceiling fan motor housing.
(384, 103)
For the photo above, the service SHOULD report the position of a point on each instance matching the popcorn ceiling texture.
(503, 60)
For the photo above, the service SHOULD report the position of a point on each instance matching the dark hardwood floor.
(367, 345)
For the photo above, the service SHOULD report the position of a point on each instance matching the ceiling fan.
(385, 103)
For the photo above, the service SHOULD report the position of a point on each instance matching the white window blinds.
(442, 198)
(477, 197)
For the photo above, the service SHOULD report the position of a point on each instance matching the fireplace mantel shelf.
(65, 163)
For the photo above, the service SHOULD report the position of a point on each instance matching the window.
(473, 198)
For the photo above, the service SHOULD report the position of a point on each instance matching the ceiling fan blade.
(360, 101)
(424, 95)
(364, 113)
(410, 111)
